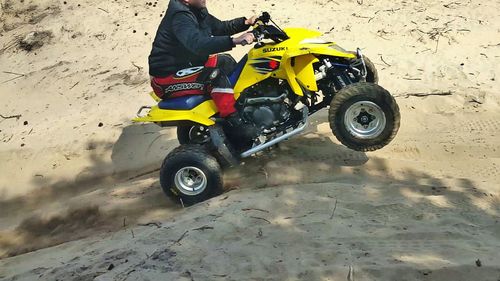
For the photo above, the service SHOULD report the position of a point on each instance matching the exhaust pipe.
(298, 130)
(254, 101)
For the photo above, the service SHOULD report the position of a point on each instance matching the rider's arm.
(188, 33)
(229, 27)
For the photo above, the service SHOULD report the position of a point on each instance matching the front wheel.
(192, 174)
(371, 70)
(364, 116)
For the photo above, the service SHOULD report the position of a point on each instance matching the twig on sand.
(139, 68)
(411, 78)
(388, 10)
(382, 59)
(19, 75)
(449, 5)
(7, 140)
(490, 45)
(299, 217)
(12, 116)
(103, 10)
(334, 208)
(255, 209)
(359, 16)
(381, 33)
(13, 73)
(257, 218)
(157, 224)
(74, 85)
(350, 274)
(204, 228)
(437, 44)
(407, 95)
(182, 237)
(128, 273)
(475, 100)
(423, 51)
(12, 43)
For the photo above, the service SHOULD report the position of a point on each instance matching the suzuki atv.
(287, 76)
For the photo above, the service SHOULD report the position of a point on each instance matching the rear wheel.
(195, 134)
(192, 174)
(364, 116)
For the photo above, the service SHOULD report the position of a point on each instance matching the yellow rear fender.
(200, 114)
(154, 96)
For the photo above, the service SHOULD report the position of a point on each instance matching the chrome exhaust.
(298, 130)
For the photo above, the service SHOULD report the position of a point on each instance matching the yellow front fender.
(300, 73)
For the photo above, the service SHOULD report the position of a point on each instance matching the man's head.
(195, 3)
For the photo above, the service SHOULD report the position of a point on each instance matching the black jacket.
(187, 36)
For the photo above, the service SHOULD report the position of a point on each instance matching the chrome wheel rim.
(365, 120)
(190, 181)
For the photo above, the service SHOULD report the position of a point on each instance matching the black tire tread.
(183, 134)
(354, 90)
(201, 154)
(370, 67)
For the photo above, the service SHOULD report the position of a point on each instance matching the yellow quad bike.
(287, 76)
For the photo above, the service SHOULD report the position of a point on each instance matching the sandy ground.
(74, 168)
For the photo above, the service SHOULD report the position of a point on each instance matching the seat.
(182, 103)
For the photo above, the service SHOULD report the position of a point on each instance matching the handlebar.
(263, 30)
(265, 17)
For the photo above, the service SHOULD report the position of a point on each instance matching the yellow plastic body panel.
(200, 114)
(155, 97)
(296, 61)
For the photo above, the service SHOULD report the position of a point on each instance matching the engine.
(266, 106)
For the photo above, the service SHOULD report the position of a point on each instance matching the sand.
(76, 174)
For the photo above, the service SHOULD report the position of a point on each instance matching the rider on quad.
(184, 55)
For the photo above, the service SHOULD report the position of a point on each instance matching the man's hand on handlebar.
(244, 39)
(251, 21)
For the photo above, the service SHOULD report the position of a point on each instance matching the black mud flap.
(224, 150)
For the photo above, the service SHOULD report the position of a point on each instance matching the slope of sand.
(73, 166)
